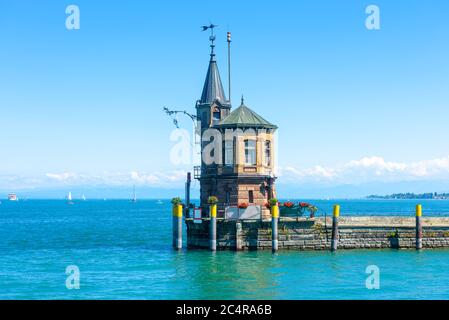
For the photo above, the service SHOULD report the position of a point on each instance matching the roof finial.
(243, 100)
(211, 39)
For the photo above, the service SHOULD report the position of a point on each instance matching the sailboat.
(83, 197)
(134, 199)
(69, 198)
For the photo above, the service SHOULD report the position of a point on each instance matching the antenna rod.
(229, 66)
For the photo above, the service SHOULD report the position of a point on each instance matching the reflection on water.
(405, 274)
(228, 275)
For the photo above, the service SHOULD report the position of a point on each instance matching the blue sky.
(354, 106)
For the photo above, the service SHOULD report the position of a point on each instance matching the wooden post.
(238, 236)
(418, 227)
(334, 242)
(213, 227)
(177, 226)
(274, 227)
(189, 180)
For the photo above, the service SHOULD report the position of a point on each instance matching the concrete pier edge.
(315, 233)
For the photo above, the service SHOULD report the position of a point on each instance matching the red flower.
(304, 204)
(243, 205)
(288, 204)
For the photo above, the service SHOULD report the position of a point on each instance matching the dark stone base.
(314, 234)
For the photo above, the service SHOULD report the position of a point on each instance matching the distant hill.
(408, 195)
(284, 191)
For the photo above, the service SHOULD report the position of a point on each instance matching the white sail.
(69, 196)
(134, 199)
(83, 197)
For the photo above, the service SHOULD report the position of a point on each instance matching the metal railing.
(197, 172)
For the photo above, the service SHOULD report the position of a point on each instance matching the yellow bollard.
(213, 210)
(418, 210)
(177, 226)
(213, 227)
(418, 227)
(274, 227)
(334, 241)
(336, 211)
(275, 211)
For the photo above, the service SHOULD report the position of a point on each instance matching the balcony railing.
(196, 172)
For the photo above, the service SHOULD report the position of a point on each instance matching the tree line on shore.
(411, 195)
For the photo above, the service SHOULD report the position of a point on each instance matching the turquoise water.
(123, 251)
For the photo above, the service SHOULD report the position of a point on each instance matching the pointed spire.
(243, 101)
(213, 87)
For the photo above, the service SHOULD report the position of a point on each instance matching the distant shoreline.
(412, 196)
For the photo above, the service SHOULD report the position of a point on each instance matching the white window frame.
(252, 149)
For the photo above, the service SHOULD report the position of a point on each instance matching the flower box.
(291, 211)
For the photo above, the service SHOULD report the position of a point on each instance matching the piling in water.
(188, 182)
(274, 228)
(418, 227)
(238, 236)
(177, 226)
(334, 242)
(213, 227)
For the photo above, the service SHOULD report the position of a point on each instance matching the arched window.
(216, 117)
(250, 152)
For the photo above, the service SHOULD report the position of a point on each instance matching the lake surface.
(123, 251)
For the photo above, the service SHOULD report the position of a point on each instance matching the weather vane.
(211, 27)
(212, 36)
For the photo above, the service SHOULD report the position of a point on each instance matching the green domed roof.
(244, 117)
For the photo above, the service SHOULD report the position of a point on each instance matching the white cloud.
(143, 178)
(366, 169)
(158, 177)
(316, 172)
(371, 169)
(61, 176)
(377, 164)
(170, 179)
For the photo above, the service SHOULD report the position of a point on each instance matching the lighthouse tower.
(237, 149)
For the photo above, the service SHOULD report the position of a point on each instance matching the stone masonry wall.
(315, 234)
